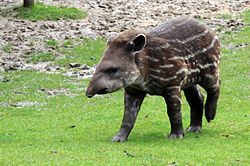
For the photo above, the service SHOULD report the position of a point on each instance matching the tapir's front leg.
(132, 103)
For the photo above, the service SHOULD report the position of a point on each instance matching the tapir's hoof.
(176, 136)
(194, 129)
(119, 138)
(209, 117)
(210, 114)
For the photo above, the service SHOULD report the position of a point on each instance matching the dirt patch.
(21, 104)
(54, 92)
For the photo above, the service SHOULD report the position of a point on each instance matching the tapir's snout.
(89, 95)
(89, 92)
(94, 89)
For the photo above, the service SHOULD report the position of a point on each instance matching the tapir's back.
(182, 51)
(179, 28)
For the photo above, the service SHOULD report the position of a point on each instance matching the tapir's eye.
(130, 46)
(111, 70)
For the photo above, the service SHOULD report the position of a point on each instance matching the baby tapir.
(176, 55)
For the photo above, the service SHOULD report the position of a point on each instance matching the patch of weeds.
(41, 57)
(198, 17)
(88, 51)
(246, 16)
(225, 16)
(235, 40)
(67, 43)
(7, 48)
(52, 42)
(41, 11)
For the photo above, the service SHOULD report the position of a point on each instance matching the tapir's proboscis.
(179, 54)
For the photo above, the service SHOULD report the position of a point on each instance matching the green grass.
(52, 42)
(87, 51)
(83, 51)
(41, 11)
(225, 16)
(70, 129)
(7, 48)
(41, 57)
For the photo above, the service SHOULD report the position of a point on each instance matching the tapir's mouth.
(103, 91)
(89, 95)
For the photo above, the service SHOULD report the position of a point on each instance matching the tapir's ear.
(139, 43)
(111, 36)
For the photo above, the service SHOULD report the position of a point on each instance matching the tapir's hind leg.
(195, 101)
(212, 86)
(211, 102)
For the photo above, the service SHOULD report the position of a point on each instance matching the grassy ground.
(69, 129)
(84, 51)
(41, 11)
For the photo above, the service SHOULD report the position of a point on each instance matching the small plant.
(7, 48)
(41, 57)
(225, 16)
(41, 11)
(52, 42)
(67, 44)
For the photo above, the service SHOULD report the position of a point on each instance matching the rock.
(2, 69)
(4, 104)
(25, 104)
(43, 27)
(54, 92)
(74, 65)
(85, 67)
(2, 78)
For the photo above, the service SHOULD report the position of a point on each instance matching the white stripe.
(155, 83)
(177, 97)
(181, 71)
(215, 57)
(176, 58)
(208, 65)
(152, 59)
(176, 49)
(204, 49)
(209, 76)
(190, 38)
(166, 66)
(173, 87)
(196, 36)
(194, 71)
(163, 46)
(155, 70)
(163, 79)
